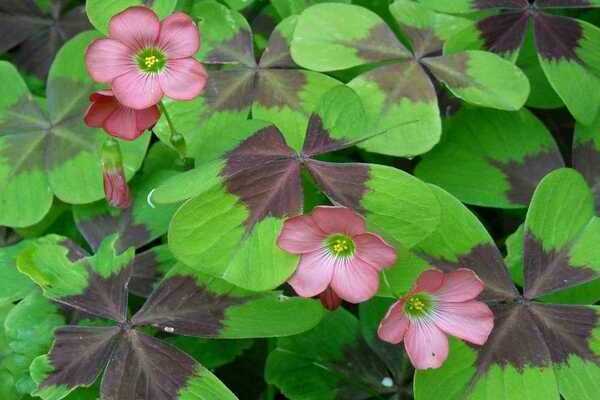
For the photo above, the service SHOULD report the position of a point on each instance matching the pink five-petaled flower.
(116, 119)
(337, 251)
(438, 305)
(144, 59)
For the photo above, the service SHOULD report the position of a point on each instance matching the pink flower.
(119, 121)
(144, 59)
(335, 250)
(438, 305)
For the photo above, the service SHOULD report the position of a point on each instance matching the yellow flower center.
(418, 305)
(340, 245)
(150, 61)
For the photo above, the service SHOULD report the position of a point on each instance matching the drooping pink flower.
(143, 59)
(336, 251)
(438, 305)
(117, 120)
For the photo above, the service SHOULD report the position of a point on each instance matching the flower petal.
(106, 59)
(313, 274)
(179, 36)
(99, 110)
(429, 281)
(472, 321)
(137, 90)
(339, 220)
(394, 325)
(122, 124)
(460, 285)
(137, 27)
(301, 235)
(354, 280)
(426, 345)
(372, 249)
(183, 79)
(147, 118)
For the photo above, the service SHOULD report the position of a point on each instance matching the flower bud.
(116, 190)
(330, 299)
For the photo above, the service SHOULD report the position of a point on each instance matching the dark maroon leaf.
(586, 159)
(182, 306)
(562, 3)
(146, 368)
(265, 174)
(230, 89)
(37, 36)
(524, 176)
(79, 355)
(104, 297)
(547, 271)
(146, 272)
(557, 37)
(509, 4)
(504, 33)
(343, 184)
(318, 141)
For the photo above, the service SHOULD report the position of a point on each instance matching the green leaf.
(211, 353)
(101, 11)
(481, 78)
(28, 329)
(581, 96)
(491, 158)
(285, 8)
(15, 285)
(45, 152)
(332, 36)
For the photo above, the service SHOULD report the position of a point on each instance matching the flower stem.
(177, 139)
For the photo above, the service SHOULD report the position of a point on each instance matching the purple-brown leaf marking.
(557, 38)
(38, 36)
(103, 297)
(503, 33)
(276, 88)
(380, 44)
(80, 354)
(146, 368)
(423, 41)
(264, 173)
(487, 262)
(237, 50)
(317, 140)
(549, 271)
(562, 3)
(230, 89)
(145, 273)
(343, 184)
(182, 306)
(277, 54)
(508, 4)
(586, 159)
(451, 69)
(524, 176)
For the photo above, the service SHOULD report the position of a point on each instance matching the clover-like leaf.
(133, 363)
(48, 150)
(491, 158)
(402, 90)
(566, 47)
(534, 344)
(274, 88)
(15, 285)
(251, 181)
(35, 35)
(586, 156)
(341, 358)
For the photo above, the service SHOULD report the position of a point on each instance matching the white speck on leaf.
(387, 382)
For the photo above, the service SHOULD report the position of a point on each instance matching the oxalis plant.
(303, 200)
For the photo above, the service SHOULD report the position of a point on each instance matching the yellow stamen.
(150, 61)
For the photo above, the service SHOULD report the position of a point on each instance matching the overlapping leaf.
(496, 159)
(250, 181)
(541, 350)
(491, 158)
(566, 47)
(274, 88)
(331, 37)
(45, 147)
(35, 34)
(341, 358)
(134, 363)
